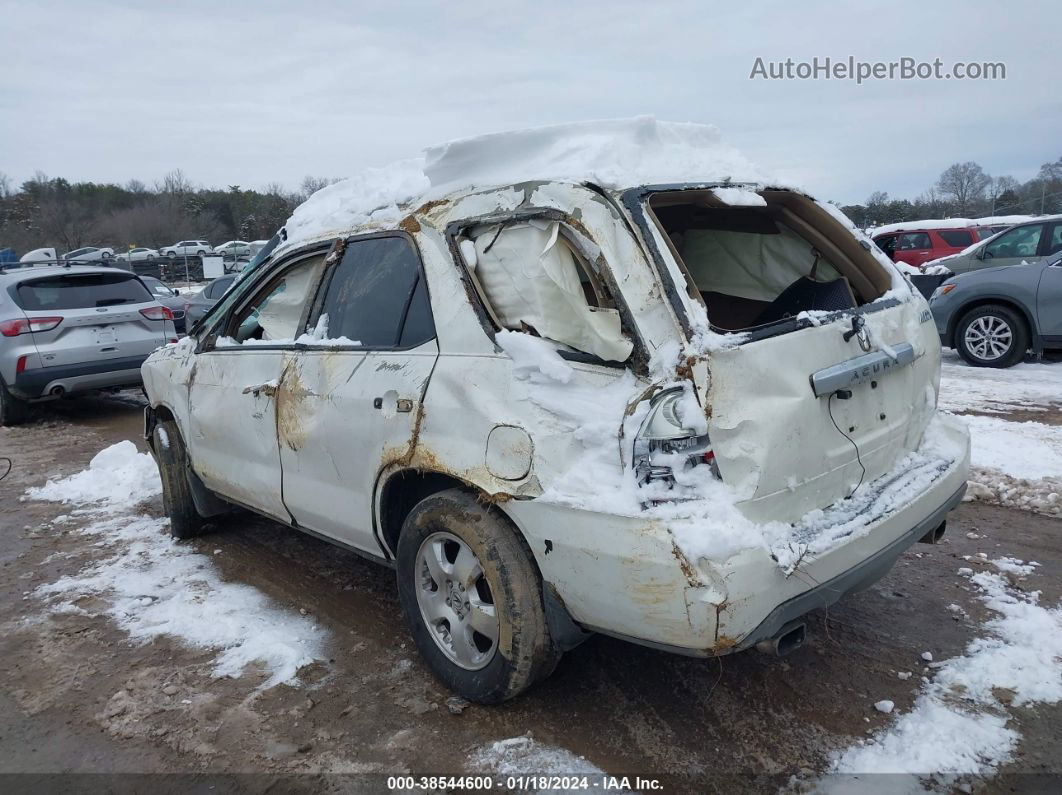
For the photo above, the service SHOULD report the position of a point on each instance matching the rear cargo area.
(797, 302)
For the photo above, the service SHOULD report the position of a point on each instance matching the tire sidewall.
(177, 501)
(472, 523)
(12, 410)
(1019, 337)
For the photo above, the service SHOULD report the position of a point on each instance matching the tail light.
(157, 313)
(24, 325)
(673, 434)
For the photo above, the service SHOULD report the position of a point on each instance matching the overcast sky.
(250, 92)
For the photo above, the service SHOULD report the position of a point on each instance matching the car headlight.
(943, 290)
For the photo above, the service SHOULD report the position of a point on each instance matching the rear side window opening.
(757, 264)
(532, 276)
(81, 291)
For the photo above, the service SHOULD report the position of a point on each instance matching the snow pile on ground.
(1029, 450)
(1026, 386)
(155, 586)
(117, 478)
(1013, 463)
(524, 756)
(958, 724)
(1040, 496)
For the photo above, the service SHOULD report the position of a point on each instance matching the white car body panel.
(231, 435)
(320, 391)
(319, 442)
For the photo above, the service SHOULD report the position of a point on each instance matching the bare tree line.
(46, 211)
(964, 190)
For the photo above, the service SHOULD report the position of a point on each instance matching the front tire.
(172, 459)
(992, 336)
(472, 598)
(12, 410)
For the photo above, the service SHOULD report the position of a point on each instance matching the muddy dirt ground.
(76, 696)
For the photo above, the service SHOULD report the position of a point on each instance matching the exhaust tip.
(934, 535)
(790, 639)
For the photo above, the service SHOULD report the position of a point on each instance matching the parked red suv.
(917, 246)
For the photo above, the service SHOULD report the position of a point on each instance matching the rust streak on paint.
(290, 397)
(687, 568)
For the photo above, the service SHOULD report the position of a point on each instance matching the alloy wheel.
(455, 601)
(989, 337)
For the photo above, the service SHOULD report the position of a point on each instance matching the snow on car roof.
(615, 153)
(951, 223)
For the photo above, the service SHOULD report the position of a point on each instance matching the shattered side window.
(274, 314)
(532, 278)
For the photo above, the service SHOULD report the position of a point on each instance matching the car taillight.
(24, 325)
(673, 435)
(157, 313)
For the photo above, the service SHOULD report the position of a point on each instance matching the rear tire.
(172, 459)
(992, 336)
(13, 411)
(445, 608)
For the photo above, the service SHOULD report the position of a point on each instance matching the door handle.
(268, 389)
(402, 405)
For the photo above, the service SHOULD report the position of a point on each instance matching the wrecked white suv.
(655, 403)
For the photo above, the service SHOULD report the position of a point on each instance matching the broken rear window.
(753, 259)
(532, 278)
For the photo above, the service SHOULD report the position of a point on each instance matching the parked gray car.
(992, 317)
(1028, 242)
(66, 329)
(200, 303)
(168, 297)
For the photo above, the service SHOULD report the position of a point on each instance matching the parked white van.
(602, 377)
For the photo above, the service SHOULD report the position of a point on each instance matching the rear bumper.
(858, 578)
(72, 378)
(625, 576)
